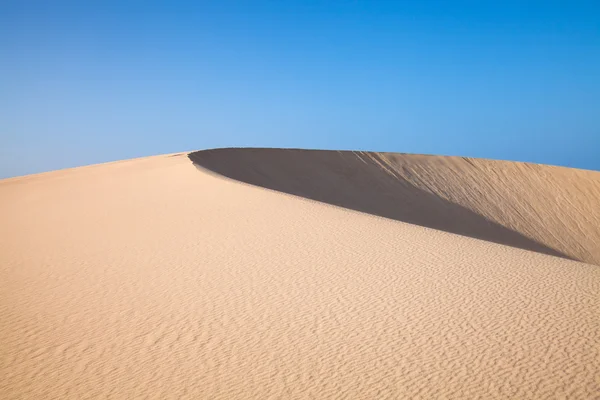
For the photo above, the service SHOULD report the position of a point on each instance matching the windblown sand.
(272, 274)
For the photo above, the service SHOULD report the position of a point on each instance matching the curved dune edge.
(548, 209)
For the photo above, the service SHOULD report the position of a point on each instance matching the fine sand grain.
(276, 274)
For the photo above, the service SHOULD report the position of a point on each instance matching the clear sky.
(83, 82)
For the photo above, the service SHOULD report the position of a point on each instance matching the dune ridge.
(155, 278)
(552, 210)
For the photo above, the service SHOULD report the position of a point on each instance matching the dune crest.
(548, 209)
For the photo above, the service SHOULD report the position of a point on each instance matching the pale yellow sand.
(156, 278)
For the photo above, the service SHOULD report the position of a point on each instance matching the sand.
(270, 274)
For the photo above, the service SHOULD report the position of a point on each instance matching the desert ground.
(297, 274)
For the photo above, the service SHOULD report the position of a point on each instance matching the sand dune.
(158, 278)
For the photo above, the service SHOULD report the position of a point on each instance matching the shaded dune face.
(547, 209)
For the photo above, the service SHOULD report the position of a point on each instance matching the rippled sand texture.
(158, 278)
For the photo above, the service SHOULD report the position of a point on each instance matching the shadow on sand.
(344, 179)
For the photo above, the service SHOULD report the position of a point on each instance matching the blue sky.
(88, 82)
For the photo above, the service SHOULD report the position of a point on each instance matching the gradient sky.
(86, 82)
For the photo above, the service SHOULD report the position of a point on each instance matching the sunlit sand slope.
(155, 278)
